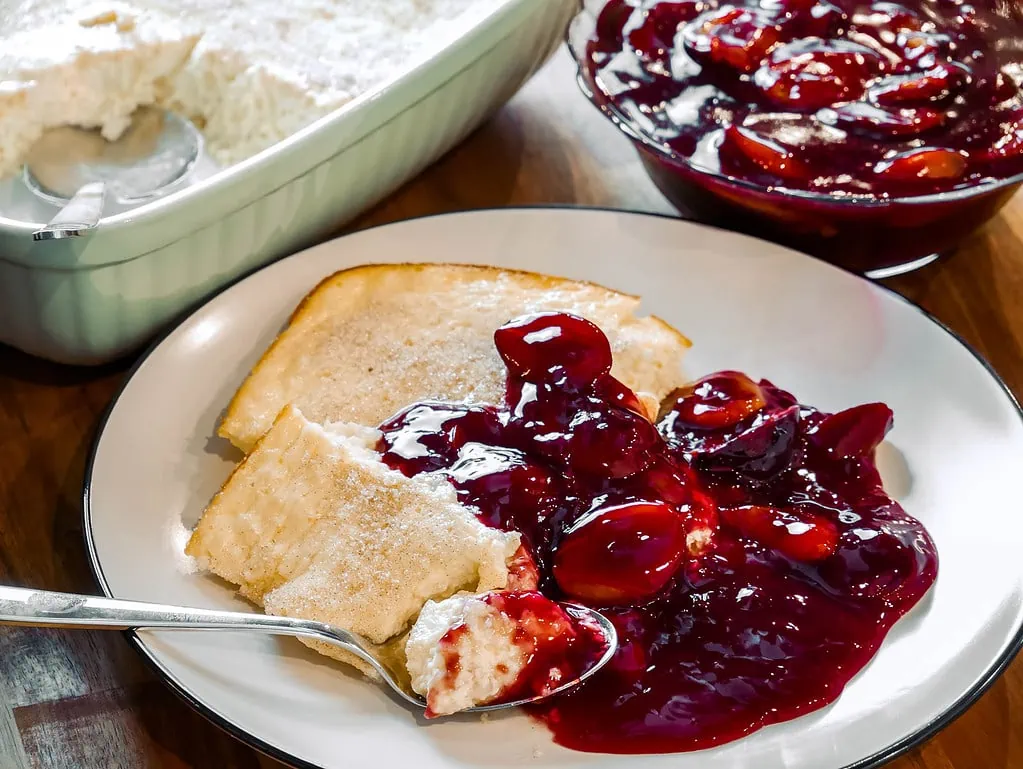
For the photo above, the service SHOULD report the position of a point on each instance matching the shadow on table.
(47, 486)
(23, 367)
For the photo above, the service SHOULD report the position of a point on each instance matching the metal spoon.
(42, 608)
(77, 168)
(81, 214)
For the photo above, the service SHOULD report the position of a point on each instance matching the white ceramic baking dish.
(94, 299)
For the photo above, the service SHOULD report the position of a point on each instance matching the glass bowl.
(876, 237)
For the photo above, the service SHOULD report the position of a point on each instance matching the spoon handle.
(80, 214)
(42, 608)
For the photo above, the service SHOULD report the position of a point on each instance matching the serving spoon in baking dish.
(77, 168)
(42, 608)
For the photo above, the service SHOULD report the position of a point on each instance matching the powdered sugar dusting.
(372, 340)
(178, 535)
(312, 524)
(248, 72)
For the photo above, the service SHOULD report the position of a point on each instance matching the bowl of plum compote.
(741, 543)
(875, 135)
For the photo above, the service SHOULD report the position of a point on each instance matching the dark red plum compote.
(741, 542)
(844, 101)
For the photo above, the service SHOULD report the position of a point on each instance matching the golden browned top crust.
(368, 341)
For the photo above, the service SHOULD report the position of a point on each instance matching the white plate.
(836, 340)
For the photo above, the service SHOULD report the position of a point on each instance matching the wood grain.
(85, 701)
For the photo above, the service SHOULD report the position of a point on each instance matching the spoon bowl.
(42, 608)
(78, 169)
(156, 151)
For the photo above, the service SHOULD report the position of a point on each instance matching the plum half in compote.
(741, 542)
(846, 97)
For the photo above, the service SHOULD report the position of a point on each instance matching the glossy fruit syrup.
(846, 97)
(743, 545)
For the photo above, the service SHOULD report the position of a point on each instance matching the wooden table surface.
(85, 700)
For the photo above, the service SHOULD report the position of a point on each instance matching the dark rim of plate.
(896, 749)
